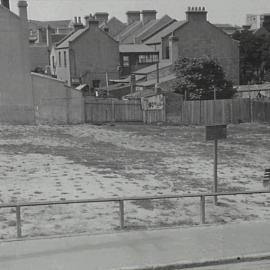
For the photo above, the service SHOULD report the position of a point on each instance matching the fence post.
(122, 219)
(18, 222)
(202, 210)
(251, 110)
(113, 111)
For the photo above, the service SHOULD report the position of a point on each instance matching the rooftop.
(70, 38)
(156, 39)
(135, 48)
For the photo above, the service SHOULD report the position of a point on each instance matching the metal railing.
(121, 202)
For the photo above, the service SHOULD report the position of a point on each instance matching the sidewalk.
(139, 249)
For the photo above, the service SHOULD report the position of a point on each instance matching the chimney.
(197, 14)
(49, 32)
(148, 15)
(92, 21)
(22, 5)
(101, 16)
(5, 3)
(77, 24)
(133, 16)
(86, 18)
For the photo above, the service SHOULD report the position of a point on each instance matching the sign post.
(215, 133)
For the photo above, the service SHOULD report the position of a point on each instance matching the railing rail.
(121, 201)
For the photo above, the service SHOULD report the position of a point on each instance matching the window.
(59, 59)
(147, 58)
(65, 59)
(126, 61)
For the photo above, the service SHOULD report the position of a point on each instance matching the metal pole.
(215, 170)
(18, 222)
(122, 219)
(202, 209)
(107, 84)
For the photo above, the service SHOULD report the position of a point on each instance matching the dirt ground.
(43, 163)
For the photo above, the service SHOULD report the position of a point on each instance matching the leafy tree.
(201, 78)
(254, 56)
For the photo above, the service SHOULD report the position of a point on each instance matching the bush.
(200, 78)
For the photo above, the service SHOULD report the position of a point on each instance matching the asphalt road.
(258, 265)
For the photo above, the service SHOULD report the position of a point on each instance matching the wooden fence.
(201, 112)
(260, 111)
(207, 112)
(111, 110)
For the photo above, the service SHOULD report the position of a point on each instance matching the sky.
(219, 11)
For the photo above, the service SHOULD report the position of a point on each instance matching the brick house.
(86, 56)
(196, 37)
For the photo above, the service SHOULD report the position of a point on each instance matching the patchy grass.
(42, 163)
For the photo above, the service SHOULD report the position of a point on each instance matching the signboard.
(217, 132)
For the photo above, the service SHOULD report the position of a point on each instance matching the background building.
(86, 56)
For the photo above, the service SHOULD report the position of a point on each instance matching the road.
(258, 265)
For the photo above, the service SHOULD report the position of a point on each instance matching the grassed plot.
(43, 163)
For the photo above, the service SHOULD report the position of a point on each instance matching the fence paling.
(121, 201)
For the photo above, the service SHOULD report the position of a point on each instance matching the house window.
(65, 59)
(59, 59)
(126, 61)
(147, 58)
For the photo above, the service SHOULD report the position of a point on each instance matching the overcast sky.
(219, 11)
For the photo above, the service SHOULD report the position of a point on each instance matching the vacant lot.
(86, 161)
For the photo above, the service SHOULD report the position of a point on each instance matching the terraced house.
(196, 37)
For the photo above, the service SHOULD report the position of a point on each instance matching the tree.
(201, 78)
(254, 56)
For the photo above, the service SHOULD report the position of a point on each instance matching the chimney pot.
(196, 14)
(79, 20)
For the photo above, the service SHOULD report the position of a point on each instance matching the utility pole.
(107, 84)
(157, 72)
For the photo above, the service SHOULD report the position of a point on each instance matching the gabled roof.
(156, 39)
(138, 31)
(158, 26)
(135, 48)
(128, 30)
(130, 37)
(114, 25)
(65, 42)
